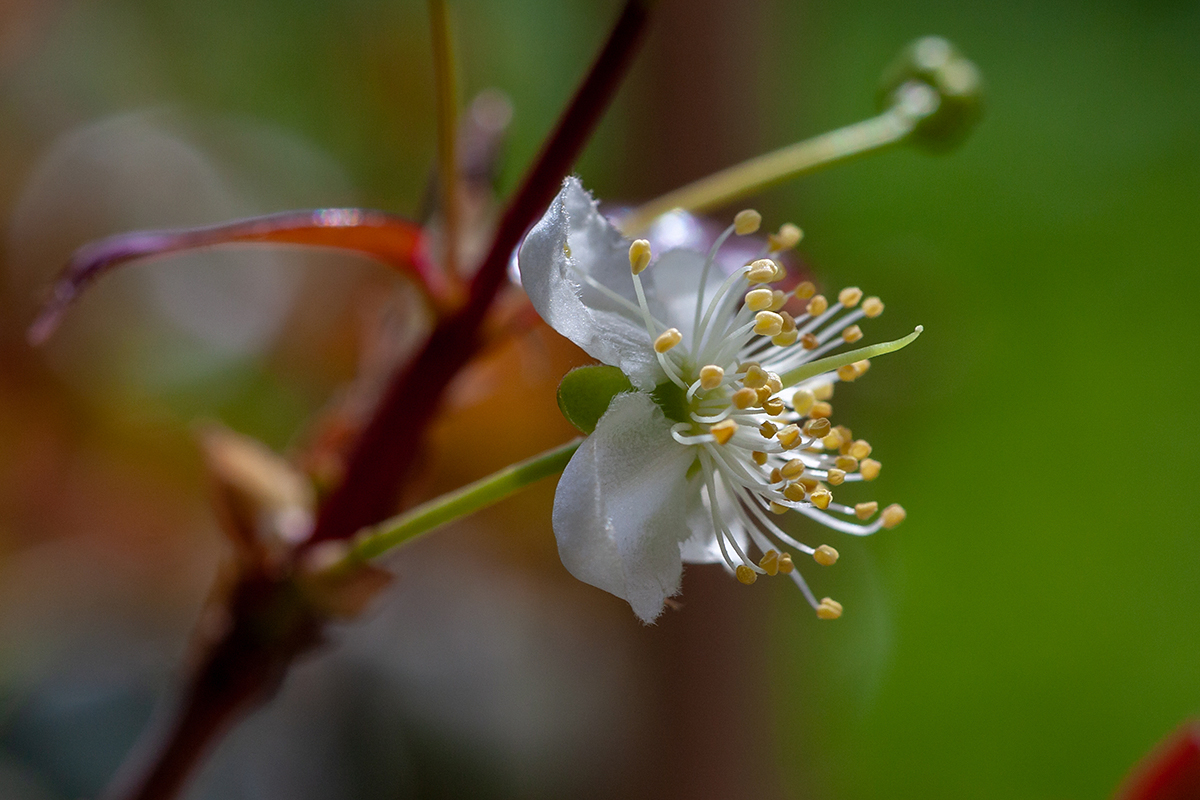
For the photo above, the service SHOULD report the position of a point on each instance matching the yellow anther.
(825, 555)
(778, 299)
(792, 469)
(817, 306)
(869, 468)
(850, 296)
(789, 322)
(756, 377)
(802, 400)
(744, 398)
(821, 410)
(776, 508)
(746, 222)
(823, 392)
(667, 339)
(768, 323)
(746, 575)
(639, 256)
(770, 562)
(893, 515)
(833, 441)
(762, 271)
(788, 237)
(711, 376)
(773, 381)
(785, 563)
(848, 463)
(723, 431)
(860, 449)
(759, 457)
(847, 372)
(861, 367)
(759, 299)
(809, 341)
(821, 498)
(786, 338)
(773, 407)
(764, 394)
(810, 484)
(844, 432)
(789, 437)
(872, 306)
(767, 429)
(829, 608)
(744, 366)
(817, 428)
(805, 290)
(865, 510)
(836, 477)
(794, 492)
(852, 334)
(776, 476)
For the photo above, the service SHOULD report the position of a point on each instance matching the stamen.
(744, 398)
(872, 306)
(829, 608)
(816, 428)
(639, 256)
(724, 431)
(850, 296)
(785, 564)
(768, 323)
(711, 376)
(746, 575)
(835, 477)
(805, 290)
(866, 510)
(667, 340)
(852, 334)
(762, 271)
(747, 222)
(821, 499)
(792, 469)
(759, 299)
(823, 391)
(860, 449)
(847, 373)
(893, 515)
(802, 401)
(869, 469)
(770, 562)
(817, 306)
(788, 237)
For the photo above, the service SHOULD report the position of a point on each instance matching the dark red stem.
(388, 445)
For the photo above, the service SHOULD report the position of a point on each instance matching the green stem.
(377, 540)
(830, 363)
(767, 170)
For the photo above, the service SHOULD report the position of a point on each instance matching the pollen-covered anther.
(817, 306)
(821, 498)
(861, 367)
(723, 431)
(763, 270)
(829, 608)
(759, 457)
(805, 290)
(847, 463)
(774, 407)
(788, 237)
(821, 410)
(778, 299)
(850, 296)
(833, 441)
(744, 398)
(869, 468)
(794, 492)
(774, 383)
(835, 476)
(802, 401)
(776, 508)
(745, 574)
(759, 299)
(792, 469)
(847, 372)
(756, 377)
(810, 484)
(809, 341)
(764, 394)
(852, 334)
(768, 323)
(817, 428)
(667, 339)
(746, 222)
(770, 562)
(639, 256)
(711, 376)
(785, 563)
(860, 449)
(789, 437)
(872, 306)
(825, 555)
(893, 515)
(823, 392)
(785, 339)
(768, 429)
(865, 510)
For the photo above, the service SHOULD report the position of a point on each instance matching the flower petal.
(573, 237)
(623, 504)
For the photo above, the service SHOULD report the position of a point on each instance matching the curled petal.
(623, 503)
(390, 239)
(571, 244)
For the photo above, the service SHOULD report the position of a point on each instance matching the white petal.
(623, 504)
(606, 329)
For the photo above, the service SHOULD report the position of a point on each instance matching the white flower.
(728, 424)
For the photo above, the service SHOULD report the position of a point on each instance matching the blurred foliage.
(1030, 631)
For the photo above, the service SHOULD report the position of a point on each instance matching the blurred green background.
(1031, 631)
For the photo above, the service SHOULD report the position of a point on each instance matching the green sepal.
(585, 392)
